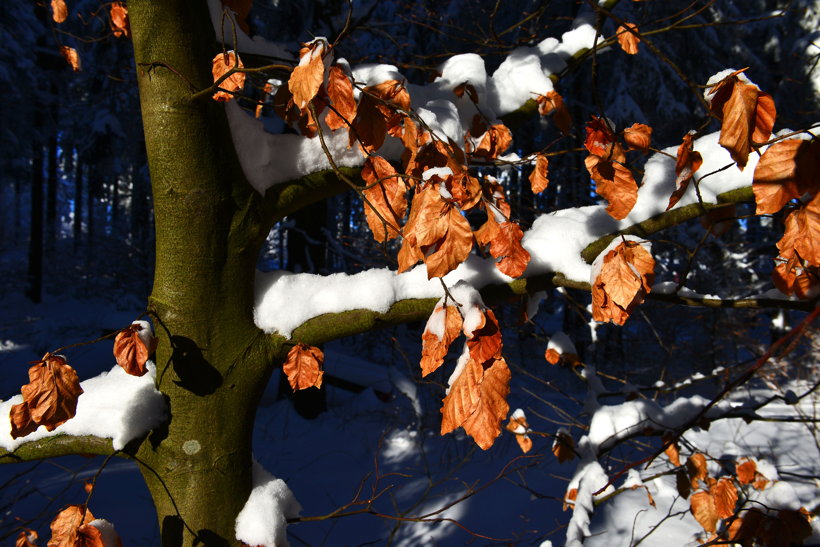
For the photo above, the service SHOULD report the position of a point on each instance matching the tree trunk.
(51, 196)
(34, 288)
(212, 365)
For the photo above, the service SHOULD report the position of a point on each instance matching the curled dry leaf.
(787, 170)
(485, 341)
(624, 280)
(687, 162)
(702, 505)
(746, 470)
(221, 65)
(49, 399)
(119, 20)
(570, 497)
(340, 93)
(638, 136)
(72, 57)
(696, 468)
(725, 494)
(448, 321)
(518, 425)
(133, 346)
(308, 76)
(600, 136)
(71, 528)
(303, 367)
(671, 451)
(385, 196)
(59, 11)
(563, 446)
(614, 182)
(27, 538)
(477, 401)
(539, 178)
(493, 143)
(627, 40)
(504, 240)
(552, 356)
(747, 115)
(553, 103)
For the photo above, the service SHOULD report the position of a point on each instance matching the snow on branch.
(115, 408)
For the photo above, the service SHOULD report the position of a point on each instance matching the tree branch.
(65, 445)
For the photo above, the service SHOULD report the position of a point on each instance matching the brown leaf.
(563, 447)
(688, 161)
(638, 136)
(65, 528)
(484, 423)
(485, 341)
(524, 442)
(725, 494)
(628, 41)
(570, 497)
(51, 396)
(340, 92)
(369, 126)
(552, 356)
(303, 367)
(696, 468)
(511, 257)
(220, 65)
(463, 397)
(624, 280)
(460, 89)
(600, 137)
(493, 143)
(72, 57)
(745, 471)
(465, 189)
(539, 179)
(553, 103)
(385, 195)
(131, 351)
(119, 20)
(27, 538)
(672, 452)
(702, 505)
(787, 170)
(518, 425)
(447, 253)
(434, 349)
(59, 11)
(308, 76)
(615, 183)
(803, 228)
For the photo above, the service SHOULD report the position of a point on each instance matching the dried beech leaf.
(340, 92)
(303, 367)
(628, 41)
(463, 397)
(638, 136)
(702, 505)
(27, 538)
(570, 497)
(119, 20)
(220, 65)
(434, 349)
(563, 447)
(386, 198)
(65, 528)
(511, 257)
(524, 442)
(624, 280)
(484, 423)
(600, 137)
(787, 170)
(131, 349)
(552, 356)
(738, 122)
(553, 103)
(615, 183)
(485, 343)
(59, 11)
(308, 76)
(493, 143)
(696, 468)
(539, 178)
(519, 426)
(688, 161)
(445, 254)
(725, 495)
(51, 396)
(746, 471)
(672, 452)
(72, 57)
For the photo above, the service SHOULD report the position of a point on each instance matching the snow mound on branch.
(113, 405)
(263, 519)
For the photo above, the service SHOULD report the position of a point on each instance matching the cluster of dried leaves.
(74, 526)
(50, 397)
(712, 500)
(117, 19)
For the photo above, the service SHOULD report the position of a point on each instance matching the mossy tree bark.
(211, 364)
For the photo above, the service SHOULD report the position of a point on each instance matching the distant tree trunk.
(91, 190)
(51, 196)
(78, 203)
(115, 205)
(35, 244)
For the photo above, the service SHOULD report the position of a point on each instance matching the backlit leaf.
(553, 103)
(119, 20)
(539, 178)
(303, 367)
(625, 278)
(686, 163)
(308, 76)
(434, 348)
(133, 346)
(702, 505)
(615, 183)
(386, 198)
(725, 494)
(787, 170)
(628, 41)
(638, 136)
(221, 65)
(340, 92)
(59, 11)
(50, 396)
(70, 529)
(72, 57)
(495, 141)
(563, 447)
(746, 471)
